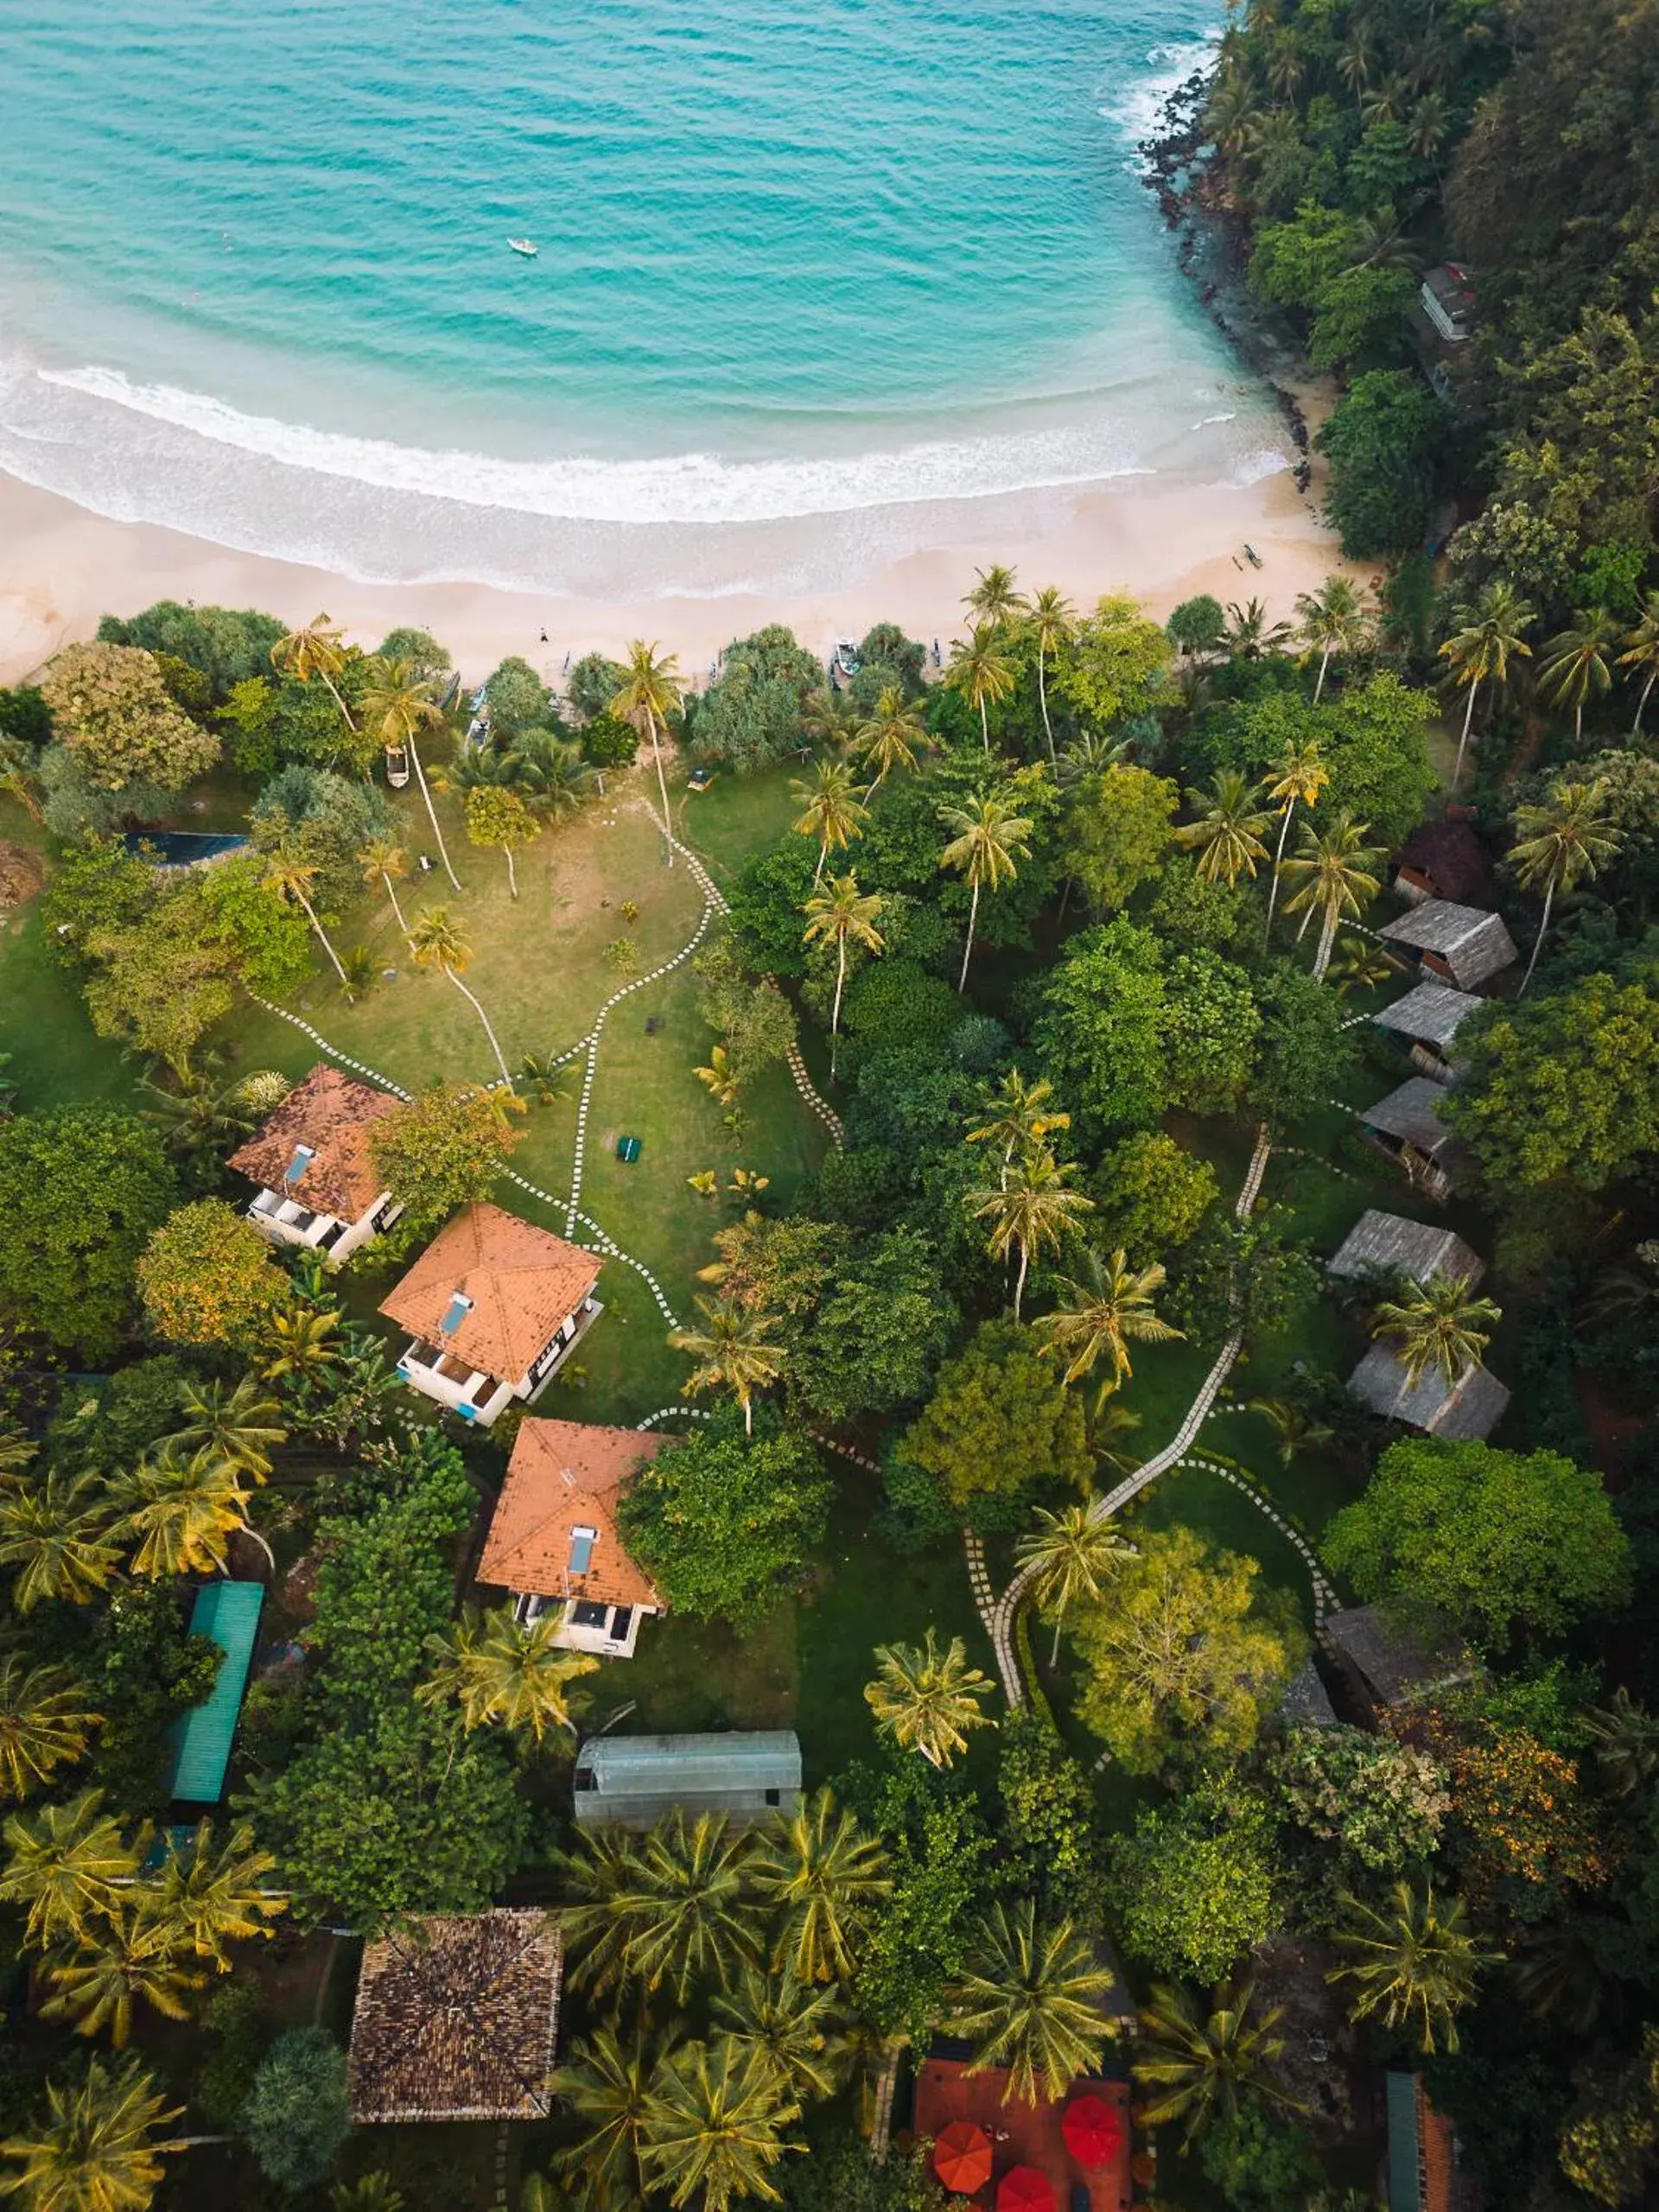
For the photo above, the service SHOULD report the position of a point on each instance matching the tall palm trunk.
(346, 712)
(1325, 662)
(1278, 857)
(984, 724)
(472, 1000)
(1463, 740)
(1635, 726)
(1577, 726)
(1060, 1623)
(818, 873)
(662, 786)
(391, 893)
(1042, 699)
(1537, 942)
(323, 934)
(1327, 938)
(431, 810)
(835, 1018)
(968, 949)
(513, 872)
(748, 1412)
(1020, 1279)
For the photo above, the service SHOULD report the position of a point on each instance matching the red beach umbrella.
(1092, 2130)
(962, 2157)
(1022, 2188)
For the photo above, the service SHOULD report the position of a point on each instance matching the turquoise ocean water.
(857, 260)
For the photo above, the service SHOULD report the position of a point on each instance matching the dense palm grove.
(1080, 926)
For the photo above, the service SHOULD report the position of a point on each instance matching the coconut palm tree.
(438, 940)
(1577, 665)
(374, 2193)
(1107, 1310)
(891, 737)
(927, 1700)
(994, 598)
(720, 1078)
(18, 778)
(598, 1876)
(204, 1900)
(1198, 2063)
(56, 1532)
(547, 1075)
(46, 1722)
(305, 1338)
(831, 813)
(1050, 623)
(1226, 834)
(1250, 636)
(200, 1120)
(735, 1352)
(607, 2083)
(982, 669)
(650, 692)
(1480, 652)
(840, 916)
(1413, 1964)
(290, 875)
(1359, 965)
(989, 839)
(97, 2149)
(507, 1672)
(1296, 779)
(317, 649)
(1019, 1116)
(1296, 1432)
(183, 1507)
(67, 1866)
(1028, 1999)
(713, 2132)
(97, 1983)
(1626, 1739)
(1070, 1554)
(1334, 871)
(817, 1870)
(241, 1423)
(1439, 1323)
(1332, 621)
(397, 706)
(1641, 645)
(793, 2026)
(548, 773)
(1030, 1208)
(384, 862)
(1562, 842)
(685, 1906)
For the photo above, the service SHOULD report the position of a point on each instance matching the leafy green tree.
(206, 1276)
(232, 908)
(1385, 440)
(1152, 1195)
(1102, 1032)
(112, 713)
(1047, 1839)
(1197, 625)
(1305, 1046)
(441, 1150)
(1117, 831)
(1000, 1420)
(501, 822)
(724, 1524)
(1260, 2162)
(881, 1326)
(1496, 1540)
(1028, 1999)
(1115, 665)
(98, 2148)
(297, 2116)
(926, 1699)
(1412, 1964)
(1197, 1883)
(1370, 1805)
(1561, 1093)
(1178, 1662)
(751, 715)
(80, 1191)
(1196, 2063)
(160, 987)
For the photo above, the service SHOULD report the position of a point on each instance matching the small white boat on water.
(525, 246)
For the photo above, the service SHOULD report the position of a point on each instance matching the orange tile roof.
(334, 1113)
(523, 1283)
(563, 1475)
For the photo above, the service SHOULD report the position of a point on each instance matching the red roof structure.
(1028, 2135)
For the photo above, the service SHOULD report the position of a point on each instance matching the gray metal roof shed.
(1432, 1013)
(1388, 1244)
(1409, 1114)
(631, 1781)
(1471, 1408)
(1464, 944)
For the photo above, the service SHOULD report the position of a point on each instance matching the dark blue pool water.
(183, 848)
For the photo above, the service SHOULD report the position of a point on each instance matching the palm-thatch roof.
(1383, 1244)
(1432, 1014)
(1393, 1664)
(1470, 1408)
(1411, 1115)
(1465, 943)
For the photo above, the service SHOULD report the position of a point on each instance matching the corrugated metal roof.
(229, 1612)
(1405, 2148)
(676, 1768)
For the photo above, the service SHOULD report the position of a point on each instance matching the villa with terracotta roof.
(493, 1306)
(319, 1185)
(553, 1537)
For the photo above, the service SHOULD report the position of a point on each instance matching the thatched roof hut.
(456, 2019)
(1470, 1408)
(1429, 1018)
(1463, 945)
(1389, 1665)
(1445, 861)
(1383, 1244)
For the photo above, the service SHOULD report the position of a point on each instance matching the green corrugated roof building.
(631, 1780)
(229, 1612)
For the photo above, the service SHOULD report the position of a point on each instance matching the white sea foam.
(1136, 106)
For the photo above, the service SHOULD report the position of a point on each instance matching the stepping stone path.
(1324, 1596)
(979, 1579)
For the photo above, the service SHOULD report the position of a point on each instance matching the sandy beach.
(63, 567)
